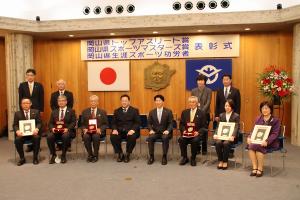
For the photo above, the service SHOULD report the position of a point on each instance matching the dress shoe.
(95, 159)
(150, 160)
(127, 157)
(260, 174)
(89, 159)
(35, 161)
(219, 167)
(193, 162)
(29, 148)
(120, 157)
(253, 172)
(225, 168)
(21, 162)
(164, 160)
(63, 159)
(52, 159)
(183, 161)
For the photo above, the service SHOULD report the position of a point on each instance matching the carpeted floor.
(107, 179)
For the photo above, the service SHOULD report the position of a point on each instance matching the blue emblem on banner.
(212, 69)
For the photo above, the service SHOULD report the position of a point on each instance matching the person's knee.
(18, 139)
(165, 138)
(131, 138)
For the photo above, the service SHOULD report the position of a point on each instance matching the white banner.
(161, 47)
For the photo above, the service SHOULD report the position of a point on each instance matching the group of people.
(125, 125)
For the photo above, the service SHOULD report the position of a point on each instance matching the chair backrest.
(281, 136)
(174, 124)
(109, 119)
(144, 121)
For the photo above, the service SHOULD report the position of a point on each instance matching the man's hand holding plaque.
(59, 127)
(92, 127)
(190, 130)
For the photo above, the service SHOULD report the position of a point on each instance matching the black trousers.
(35, 139)
(165, 142)
(183, 143)
(88, 139)
(223, 149)
(130, 139)
(52, 138)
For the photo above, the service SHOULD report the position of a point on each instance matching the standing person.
(204, 97)
(61, 86)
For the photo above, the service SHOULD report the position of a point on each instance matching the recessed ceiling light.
(112, 34)
(71, 35)
(199, 31)
(155, 32)
(247, 29)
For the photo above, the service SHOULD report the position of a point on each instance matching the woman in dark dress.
(257, 151)
(223, 146)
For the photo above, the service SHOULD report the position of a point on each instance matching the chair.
(281, 149)
(239, 142)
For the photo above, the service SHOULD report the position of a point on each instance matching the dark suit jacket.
(70, 119)
(126, 121)
(234, 94)
(204, 98)
(101, 117)
(37, 97)
(199, 120)
(166, 122)
(234, 117)
(54, 96)
(34, 114)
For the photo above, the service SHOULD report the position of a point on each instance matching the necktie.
(61, 93)
(159, 115)
(93, 113)
(226, 92)
(62, 116)
(26, 115)
(192, 114)
(30, 89)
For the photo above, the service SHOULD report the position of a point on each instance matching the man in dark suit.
(125, 125)
(204, 97)
(90, 135)
(227, 92)
(192, 118)
(26, 114)
(34, 91)
(61, 85)
(160, 125)
(68, 117)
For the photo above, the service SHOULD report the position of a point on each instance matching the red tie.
(93, 113)
(62, 116)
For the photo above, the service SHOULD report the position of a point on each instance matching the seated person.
(93, 136)
(160, 124)
(192, 118)
(125, 125)
(223, 146)
(26, 114)
(65, 132)
(257, 151)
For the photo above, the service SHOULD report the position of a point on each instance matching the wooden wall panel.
(3, 107)
(61, 59)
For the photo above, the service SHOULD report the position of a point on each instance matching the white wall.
(72, 9)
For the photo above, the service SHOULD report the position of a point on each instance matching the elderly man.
(61, 85)
(192, 123)
(93, 123)
(125, 125)
(62, 127)
(26, 113)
